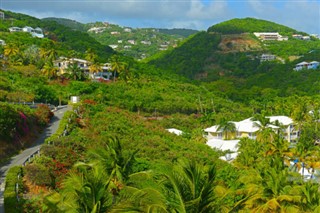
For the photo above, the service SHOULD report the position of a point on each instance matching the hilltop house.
(306, 65)
(301, 37)
(270, 36)
(97, 29)
(248, 128)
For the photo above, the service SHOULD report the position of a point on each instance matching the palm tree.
(48, 54)
(115, 163)
(116, 65)
(141, 194)
(49, 70)
(268, 191)
(227, 128)
(12, 52)
(91, 55)
(301, 114)
(75, 72)
(265, 132)
(84, 190)
(126, 72)
(190, 188)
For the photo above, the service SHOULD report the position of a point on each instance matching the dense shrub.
(38, 174)
(43, 114)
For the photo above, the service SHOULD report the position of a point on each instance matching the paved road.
(21, 158)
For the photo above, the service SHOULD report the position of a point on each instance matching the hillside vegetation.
(113, 151)
(228, 56)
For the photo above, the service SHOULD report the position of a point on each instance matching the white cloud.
(198, 14)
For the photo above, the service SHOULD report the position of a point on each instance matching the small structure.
(115, 33)
(15, 29)
(131, 42)
(306, 65)
(301, 37)
(175, 131)
(97, 29)
(2, 42)
(75, 99)
(267, 57)
(113, 46)
(127, 30)
(1, 15)
(146, 42)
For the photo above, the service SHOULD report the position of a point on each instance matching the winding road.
(22, 157)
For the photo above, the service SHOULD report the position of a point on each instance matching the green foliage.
(38, 174)
(183, 58)
(176, 31)
(44, 114)
(11, 204)
(68, 23)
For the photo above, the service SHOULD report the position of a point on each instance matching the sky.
(302, 15)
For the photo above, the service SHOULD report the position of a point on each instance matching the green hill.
(249, 25)
(68, 23)
(228, 57)
(65, 38)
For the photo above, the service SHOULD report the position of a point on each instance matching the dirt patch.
(239, 43)
(33, 190)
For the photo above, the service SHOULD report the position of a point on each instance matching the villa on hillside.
(248, 128)
(63, 63)
(37, 32)
(270, 36)
(306, 65)
(97, 29)
(267, 57)
(301, 37)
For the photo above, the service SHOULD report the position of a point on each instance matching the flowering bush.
(43, 114)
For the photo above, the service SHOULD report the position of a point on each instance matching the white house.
(146, 42)
(270, 36)
(15, 29)
(248, 128)
(113, 46)
(1, 15)
(306, 65)
(97, 29)
(2, 42)
(63, 63)
(132, 42)
(127, 30)
(267, 57)
(37, 32)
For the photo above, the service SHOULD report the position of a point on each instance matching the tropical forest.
(113, 151)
